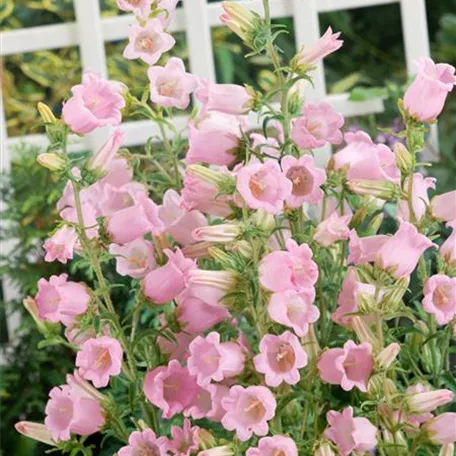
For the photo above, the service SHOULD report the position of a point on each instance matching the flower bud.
(427, 401)
(392, 300)
(447, 450)
(217, 451)
(46, 113)
(242, 247)
(404, 160)
(205, 439)
(263, 219)
(397, 439)
(364, 331)
(380, 386)
(225, 259)
(83, 387)
(198, 250)
(32, 308)
(35, 431)
(384, 190)
(374, 225)
(388, 355)
(211, 176)
(223, 280)
(324, 450)
(225, 232)
(51, 161)
(243, 22)
(310, 344)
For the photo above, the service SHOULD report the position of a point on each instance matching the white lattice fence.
(196, 18)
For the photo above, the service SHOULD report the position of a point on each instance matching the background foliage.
(371, 65)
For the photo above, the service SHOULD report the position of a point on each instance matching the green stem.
(131, 372)
(150, 413)
(172, 154)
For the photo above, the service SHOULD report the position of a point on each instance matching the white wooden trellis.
(196, 17)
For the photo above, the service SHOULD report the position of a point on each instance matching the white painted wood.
(199, 39)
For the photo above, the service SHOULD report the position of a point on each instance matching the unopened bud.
(242, 247)
(324, 450)
(243, 22)
(388, 355)
(205, 439)
(198, 250)
(374, 225)
(225, 259)
(397, 439)
(392, 299)
(264, 220)
(427, 401)
(211, 176)
(218, 451)
(447, 450)
(404, 160)
(43, 326)
(52, 161)
(380, 386)
(223, 280)
(225, 232)
(384, 190)
(364, 331)
(35, 431)
(46, 113)
(310, 344)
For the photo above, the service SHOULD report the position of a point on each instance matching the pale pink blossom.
(59, 300)
(214, 139)
(269, 147)
(89, 215)
(426, 96)
(419, 198)
(415, 419)
(99, 359)
(364, 250)
(278, 445)
(349, 367)
(198, 311)
(164, 283)
(294, 309)
(350, 434)
(319, 124)
(248, 411)
(171, 85)
(148, 43)
(71, 412)
(35, 431)
(311, 55)
(104, 157)
(332, 229)
(168, 8)
(134, 221)
(113, 199)
(77, 336)
(201, 404)
(61, 245)
(401, 252)
(346, 301)
(422, 401)
(280, 359)
(440, 298)
(443, 207)
(306, 179)
(324, 449)
(211, 360)
(95, 103)
(184, 441)
(171, 388)
(202, 196)
(144, 443)
(134, 259)
(293, 269)
(178, 348)
(119, 172)
(227, 98)
(179, 222)
(442, 429)
(363, 159)
(448, 248)
(217, 393)
(263, 186)
(140, 8)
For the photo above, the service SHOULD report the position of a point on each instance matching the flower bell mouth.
(103, 359)
(147, 450)
(301, 179)
(255, 409)
(285, 357)
(256, 186)
(440, 297)
(167, 89)
(146, 43)
(134, 3)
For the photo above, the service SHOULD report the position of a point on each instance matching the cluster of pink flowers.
(265, 272)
